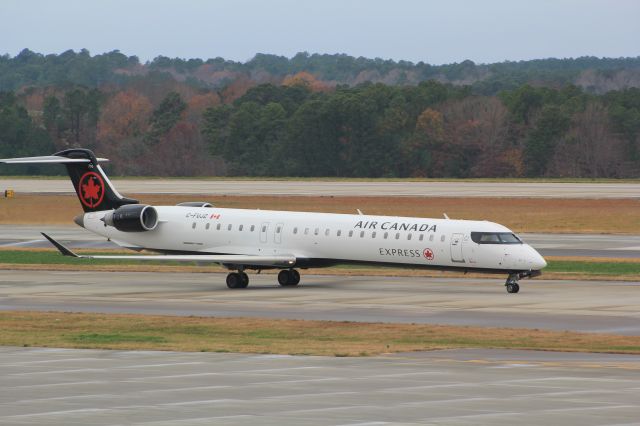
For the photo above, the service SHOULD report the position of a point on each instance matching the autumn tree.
(125, 115)
(305, 79)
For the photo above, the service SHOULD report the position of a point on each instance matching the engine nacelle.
(133, 218)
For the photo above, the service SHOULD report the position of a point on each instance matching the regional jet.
(252, 240)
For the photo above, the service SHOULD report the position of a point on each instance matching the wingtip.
(62, 249)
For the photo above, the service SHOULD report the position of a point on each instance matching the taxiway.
(593, 306)
(461, 387)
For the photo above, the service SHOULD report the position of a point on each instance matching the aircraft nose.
(537, 261)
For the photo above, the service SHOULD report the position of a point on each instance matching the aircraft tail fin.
(94, 189)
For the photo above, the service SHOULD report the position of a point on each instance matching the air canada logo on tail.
(91, 189)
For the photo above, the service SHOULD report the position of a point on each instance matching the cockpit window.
(495, 238)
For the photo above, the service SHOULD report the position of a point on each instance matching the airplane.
(244, 239)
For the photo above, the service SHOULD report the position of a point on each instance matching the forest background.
(325, 115)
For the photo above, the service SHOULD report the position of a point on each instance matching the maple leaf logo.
(91, 190)
(428, 254)
(91, 193)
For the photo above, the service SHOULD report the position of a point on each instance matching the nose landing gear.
(512, 284)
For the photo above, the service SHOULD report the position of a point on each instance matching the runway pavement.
(596, 306)
(590, 245)
(461, 387)
(340, 188)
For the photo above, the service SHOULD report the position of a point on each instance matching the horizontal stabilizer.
(64, 250)
(47, 159)
(282, 261)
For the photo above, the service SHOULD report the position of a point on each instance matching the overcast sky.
(436, 32)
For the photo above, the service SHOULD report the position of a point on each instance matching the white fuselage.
(320, 239)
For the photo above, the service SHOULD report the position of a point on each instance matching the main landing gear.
(237, 280)
(288, 277)
(512, 284)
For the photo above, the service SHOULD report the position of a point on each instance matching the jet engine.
(132, 218)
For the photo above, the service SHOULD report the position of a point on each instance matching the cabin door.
(264, 229)
(456, 248)
(277, 236)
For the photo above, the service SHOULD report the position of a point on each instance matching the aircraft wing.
(281, 261)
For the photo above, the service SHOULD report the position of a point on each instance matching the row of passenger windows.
(230, 227)
(316, 231)
(362, 234)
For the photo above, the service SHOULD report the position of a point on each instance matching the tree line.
(307, 116)
(70, 68)
(428, 130)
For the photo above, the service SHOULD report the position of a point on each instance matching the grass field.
(558, 268)
(295, 337)
(620, 216)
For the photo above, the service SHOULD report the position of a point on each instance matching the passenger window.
(278, 229)
(218, 227)
(326, 232)
(306, 231)
(339, 232)
(240, 228)
(386, 234)
(373, 234)
(351, 233)
(397, 236)
(442, 238)
(229, 227)
(408, 237)
(361, 234)
(421, 237)
(253, 227)
(264, 228)
(193, 226)
(316, 231)
(207, 226)
(431, 237)
(295, 230)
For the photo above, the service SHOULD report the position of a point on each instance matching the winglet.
(65, 251)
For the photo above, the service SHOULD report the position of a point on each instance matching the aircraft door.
(277, 236)
(456, 248)
(264, 229)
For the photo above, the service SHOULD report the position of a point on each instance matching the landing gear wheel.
(287, 278)
(283, 277)
(513, 287)
(234, 280)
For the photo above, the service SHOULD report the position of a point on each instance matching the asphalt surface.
(594, 306)
(463, 387)
(547, 244)
(341, 188)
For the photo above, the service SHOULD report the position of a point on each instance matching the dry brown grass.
(258, 335)
(521, 215)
